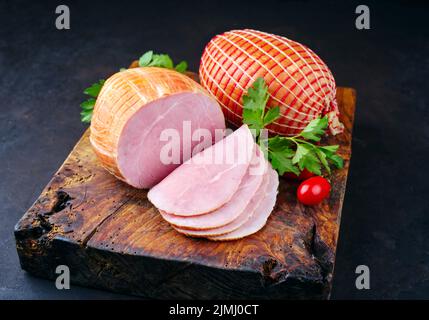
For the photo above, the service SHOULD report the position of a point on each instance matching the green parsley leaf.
(311, 163)
(181, 67)
(253, 119)
(306, 158)
(271, 115)
(94, 89)
(337, 160)
(150, 59)
(162, 61)
(301, 152)
(145, 59)
(329, 149)
(86, 116)
(279, 143)
(254, 105)
(315, 129)
(88, 105)
(322, 157)
(281, 161)
(280, 155)
(258, 95)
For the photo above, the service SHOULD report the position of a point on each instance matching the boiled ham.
(225, 215)
(219, 200)
(132, 111)
(260, 215)
(241, 219)
(298, 80)
(208, 180)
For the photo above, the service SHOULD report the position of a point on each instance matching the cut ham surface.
(230, 214)
(241, 219)
(209, 179)
(135, 107)
(259, 218)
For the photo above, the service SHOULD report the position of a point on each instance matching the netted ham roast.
(132, 110)
(298, 80)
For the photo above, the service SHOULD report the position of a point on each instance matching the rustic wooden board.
(111, 237)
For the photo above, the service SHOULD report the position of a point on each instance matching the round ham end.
(158, 137)
(132, 110)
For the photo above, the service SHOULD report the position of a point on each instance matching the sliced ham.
(132, 110)
(209, 179)
(229, 212)
(259, 218)
(241, 219)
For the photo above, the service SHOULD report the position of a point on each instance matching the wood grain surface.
(111, 237)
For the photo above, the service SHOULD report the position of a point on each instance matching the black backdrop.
(386, 212)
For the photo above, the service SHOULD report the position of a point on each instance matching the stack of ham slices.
(225, 192)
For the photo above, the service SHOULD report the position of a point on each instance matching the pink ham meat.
(209, 179)
(258, 220)
(242, 218)
(144, 130)
(135, 108)
(225, 215)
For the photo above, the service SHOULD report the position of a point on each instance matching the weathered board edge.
(351, 116)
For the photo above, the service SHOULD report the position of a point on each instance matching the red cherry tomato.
(312, 191)
(304, 175)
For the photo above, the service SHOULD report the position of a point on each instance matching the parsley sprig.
(288, 154)
(254, 106)
(148, 59)
(88, 105)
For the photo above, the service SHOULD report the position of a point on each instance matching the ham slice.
(134, 108)
(225, 215)
(258, 220)
(242, 218)
(209, 179)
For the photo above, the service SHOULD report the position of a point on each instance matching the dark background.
(385, 220)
